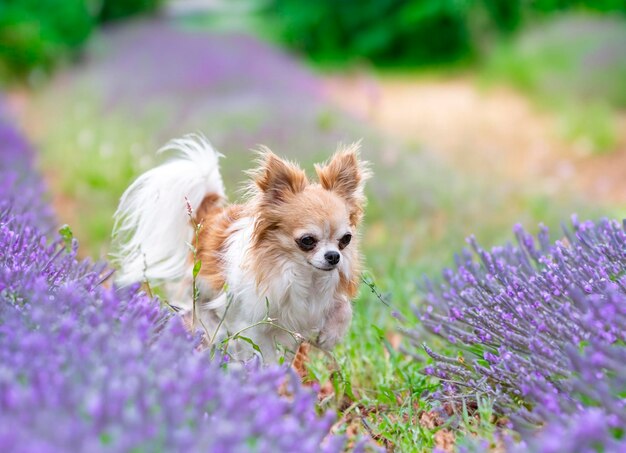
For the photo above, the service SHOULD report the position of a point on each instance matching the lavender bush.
(87, 367)
(585, 431)
(541, 325)
(592, 415)
(20, 189)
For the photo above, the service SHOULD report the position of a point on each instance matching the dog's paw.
(336, 325)
(328, 339)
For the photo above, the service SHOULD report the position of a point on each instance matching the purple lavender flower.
(588, 430)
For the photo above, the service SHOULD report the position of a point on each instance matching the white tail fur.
(152, 229)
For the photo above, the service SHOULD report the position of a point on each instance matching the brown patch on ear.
(277, 179)
(274, 182)
(345, 174)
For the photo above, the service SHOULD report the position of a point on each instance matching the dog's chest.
(298, 297)
(303, 300)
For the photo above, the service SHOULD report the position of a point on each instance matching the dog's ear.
(276, 178)
(345, 174)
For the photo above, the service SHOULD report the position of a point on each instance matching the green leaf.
(380, 332)
(337, 381)
(105, 438)
(348, 388)
(267, 307)
(66, 234)
(196, 268)
(250, 342)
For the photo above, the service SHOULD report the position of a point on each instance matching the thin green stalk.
(197, 265)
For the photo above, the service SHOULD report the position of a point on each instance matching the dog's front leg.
(336, 323)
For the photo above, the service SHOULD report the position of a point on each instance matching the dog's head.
(313, 224)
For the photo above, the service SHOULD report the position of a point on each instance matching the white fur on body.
(152, 228)
(153, 222)
(300, 300)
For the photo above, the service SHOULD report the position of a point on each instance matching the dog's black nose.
(332, 257)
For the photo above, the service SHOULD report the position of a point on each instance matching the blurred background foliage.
(560, 52)
(36, 34)
(410, 32)
(576, 65)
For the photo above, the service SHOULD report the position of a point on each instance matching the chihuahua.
(280, 268)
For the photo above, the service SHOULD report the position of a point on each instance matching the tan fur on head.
(273, 183)
(287, 204)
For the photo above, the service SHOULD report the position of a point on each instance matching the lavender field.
(88, 367)
(511, 340)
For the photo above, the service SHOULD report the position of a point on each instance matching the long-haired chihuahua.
(279, 268)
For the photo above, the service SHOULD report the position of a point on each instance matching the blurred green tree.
(36, 34)
(119, 9)
(408, 32)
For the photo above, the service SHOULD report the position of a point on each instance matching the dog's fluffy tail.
(153, 229)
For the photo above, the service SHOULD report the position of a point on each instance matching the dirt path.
(491, 134)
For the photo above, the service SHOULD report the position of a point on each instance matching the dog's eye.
(306, 243)
(345, 240)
